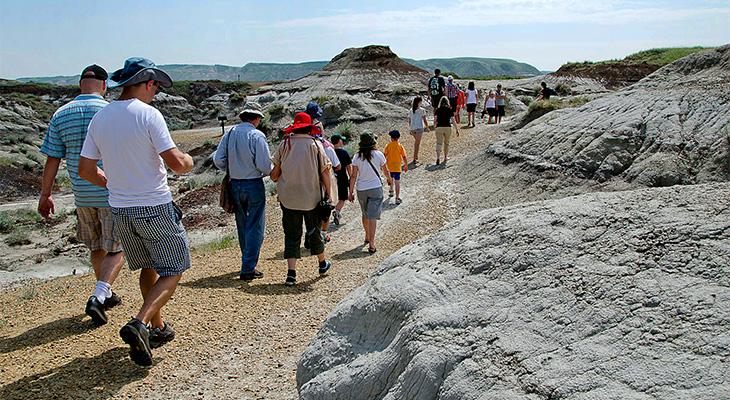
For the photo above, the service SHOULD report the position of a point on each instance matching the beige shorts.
(95, 228)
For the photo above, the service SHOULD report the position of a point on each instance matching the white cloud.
(479, 13)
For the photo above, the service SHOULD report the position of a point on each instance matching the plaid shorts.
(95, 228)
(153, 237)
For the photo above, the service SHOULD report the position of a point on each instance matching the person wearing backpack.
(545, 92)
(437, 89)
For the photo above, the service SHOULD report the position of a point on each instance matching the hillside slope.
(477, 67)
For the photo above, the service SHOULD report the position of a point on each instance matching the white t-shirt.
(332, 155)
(491, 102)
(128, 136)
(471, 96)
(366, 177)
(417, 119)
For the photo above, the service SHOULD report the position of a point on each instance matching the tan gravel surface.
(234, 340)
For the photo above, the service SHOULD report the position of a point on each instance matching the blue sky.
(44, 38)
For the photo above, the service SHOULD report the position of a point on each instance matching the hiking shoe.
(438, 161)
(324, 267)
(249, 276)
(112, 301)
(336, 217)
(291, 278)
(398, 200)
(160, 336)
(136, 335)
(95, 310)
(390, 193)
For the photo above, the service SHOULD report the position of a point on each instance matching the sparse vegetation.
(321, 100)
(237, 97)
(276, 111)
(197, 91)
(208, 178)
(6, 222)
(492, 78)
(18, 238)
(450, 73)
(220, 244)
(346, 129)
(578, 101)
(401, 90)
(44, 109)
(526, 100)
(29, 293)
(563, 90)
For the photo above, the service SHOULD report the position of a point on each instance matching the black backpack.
(433, 86)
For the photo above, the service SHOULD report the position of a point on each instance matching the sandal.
(398, 200)
(372, 250)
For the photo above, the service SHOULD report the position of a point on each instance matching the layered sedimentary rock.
(613, 296)
(670, 128)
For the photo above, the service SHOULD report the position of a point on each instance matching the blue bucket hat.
(137, 70)
(314, 110)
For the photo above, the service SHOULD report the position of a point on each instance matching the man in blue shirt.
(244, 152)
(95, 228)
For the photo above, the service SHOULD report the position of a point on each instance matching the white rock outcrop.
(620, 295)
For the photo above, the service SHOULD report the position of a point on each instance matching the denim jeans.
(249, 201)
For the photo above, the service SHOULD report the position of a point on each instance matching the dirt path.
(234, 340)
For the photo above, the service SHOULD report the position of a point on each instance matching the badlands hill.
(620, 295)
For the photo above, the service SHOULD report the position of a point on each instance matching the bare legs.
(416, 145)
(156, 292)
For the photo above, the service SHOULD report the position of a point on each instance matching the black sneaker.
(249, 276)
(136, 335)
(95, 310)
(160, 336)
(324, 267)
(291, 278)
(336, 217)
(112, 302)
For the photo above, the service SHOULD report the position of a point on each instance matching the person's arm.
(386, 173)
(46, 206)
(275, 173)
(177, 161)
(220, 157)
(349, 170)
(89, 171)
(353, 179)
(405, 159)
(263, 156)
(324, 173)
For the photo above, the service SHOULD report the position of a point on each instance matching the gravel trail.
(234, 340)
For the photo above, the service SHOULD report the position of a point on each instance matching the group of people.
(117, 155)
(494, 102)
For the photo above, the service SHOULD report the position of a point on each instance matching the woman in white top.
(417, 121)
(472, 98)
(490, 106)
(369, 183)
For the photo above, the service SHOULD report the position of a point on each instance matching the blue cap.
(314, 110)
(137, 70)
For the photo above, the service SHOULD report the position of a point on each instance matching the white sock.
(102, 291)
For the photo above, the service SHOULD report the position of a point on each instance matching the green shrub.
(449, 73)
(401, 90)
(276, 111)
(205, 179)
(578, 101)
(237, 97)
(346, 129)
(18, 238)
(321, 100)
(563, 90)
(29, 293)
(527, 100)
(7, 223)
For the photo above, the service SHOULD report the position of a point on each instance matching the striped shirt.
(64, 139)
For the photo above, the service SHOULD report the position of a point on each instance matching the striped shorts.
(95, 228)
(153, 237)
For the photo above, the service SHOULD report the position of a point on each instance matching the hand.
(46, 207)
(405, 167)
(351, 197)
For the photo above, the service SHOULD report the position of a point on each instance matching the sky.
(48, 38)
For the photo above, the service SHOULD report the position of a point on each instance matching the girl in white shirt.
(417, 121)
(472, 98)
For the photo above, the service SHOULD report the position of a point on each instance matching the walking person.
(417, 121)
(437, 89)
(132, 140)
(460, 103)
(301, 172)
(397, 162)
(444, 122)
(490, 107)
(316, 112)
(472, 99)
(369, 183)
(343, 176)
(500, 100)
(94, 227)
(452, 92)
(244, 153)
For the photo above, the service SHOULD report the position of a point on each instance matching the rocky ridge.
(670, 128)
(619, 296)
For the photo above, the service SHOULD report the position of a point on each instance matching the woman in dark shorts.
(472, 98)
(343, 176)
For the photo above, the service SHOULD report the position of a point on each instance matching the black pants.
(291, 220)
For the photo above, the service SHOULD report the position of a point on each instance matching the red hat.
(302, 120)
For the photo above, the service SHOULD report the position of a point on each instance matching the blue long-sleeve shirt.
(245, 150)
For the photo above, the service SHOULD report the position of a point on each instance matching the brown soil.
(370, 57)
(613, 74)
(16, 183)
(234, 340)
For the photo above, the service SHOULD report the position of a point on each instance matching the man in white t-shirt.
(132, 140)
